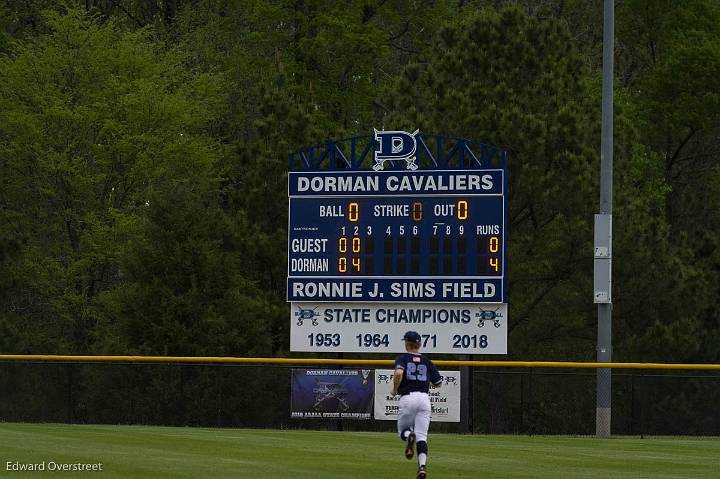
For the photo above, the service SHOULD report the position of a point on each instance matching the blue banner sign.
(332, 393)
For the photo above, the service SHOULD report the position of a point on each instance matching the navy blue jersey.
(419, 373)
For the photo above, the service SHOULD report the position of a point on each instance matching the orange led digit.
(462, 210)
(494, 263)
(494, 245)
(342, 245)
(417, 211)
(353, 212)
(356, 245)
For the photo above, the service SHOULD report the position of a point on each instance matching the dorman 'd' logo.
(395, 146)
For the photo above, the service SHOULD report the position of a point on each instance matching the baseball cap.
(412, 337)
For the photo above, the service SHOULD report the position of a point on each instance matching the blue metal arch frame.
(434, 152)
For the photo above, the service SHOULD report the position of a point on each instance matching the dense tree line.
(144, 144)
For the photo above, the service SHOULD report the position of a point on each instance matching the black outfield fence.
(504, 400)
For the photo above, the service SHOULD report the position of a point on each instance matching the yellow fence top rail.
(52, 358)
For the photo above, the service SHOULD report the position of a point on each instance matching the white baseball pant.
(414, 414)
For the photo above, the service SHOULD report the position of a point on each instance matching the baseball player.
(414, 374)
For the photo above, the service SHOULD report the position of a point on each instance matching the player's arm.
(435, 377)
(397, 379)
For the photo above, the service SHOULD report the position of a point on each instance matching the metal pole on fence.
(530, 404)
(603, 233)
(466, 410)
(182, 413)
(70, 395)
(339, 422)
(632, 404)
(522, 403)
(643, 393)
(133, 388)
(219, 403)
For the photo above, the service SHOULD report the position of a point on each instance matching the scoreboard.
(374, 253)
(428, 244)
(397, 236)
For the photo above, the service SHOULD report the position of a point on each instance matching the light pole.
(603, 233)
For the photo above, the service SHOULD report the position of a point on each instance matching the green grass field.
(164, 452)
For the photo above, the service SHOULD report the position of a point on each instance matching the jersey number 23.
(416, 372)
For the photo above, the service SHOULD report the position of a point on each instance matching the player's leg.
(422, 424)
(410, 445)
(422, 451)
(405, 418)
(406, 423)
